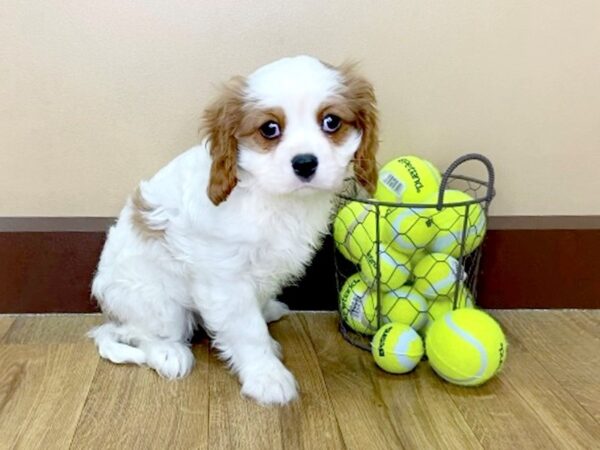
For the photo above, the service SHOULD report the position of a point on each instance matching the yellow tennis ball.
(407, 179)
(397, 348)
(466, 347)
(358, 305)
(411, 228)
(394, 267)
(445, 303)
(354, 230)
(404, 305)
(464, 299)
(416, 256)
(437, 274)
(450, 222)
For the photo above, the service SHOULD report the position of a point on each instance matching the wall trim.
(544, 223)
(58, 224)
(47, 264)
(73, 224)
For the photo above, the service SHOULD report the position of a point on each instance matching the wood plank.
(42, 392)
(306, 423)
(378, 410)
(5, 324)
(559, 341)
(565, 420)
(54, 328)
(587, 319)
(546, 396)
(498, 413)
(593, 315)
(236, 422)
(310, 422)
(132, 407)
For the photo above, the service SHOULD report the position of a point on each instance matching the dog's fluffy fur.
(214, 236)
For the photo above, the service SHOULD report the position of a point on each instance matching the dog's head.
(294, 125)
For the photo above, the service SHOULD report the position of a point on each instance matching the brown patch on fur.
(139, 220)
(252, 120)
(221, 123)
(359, 97)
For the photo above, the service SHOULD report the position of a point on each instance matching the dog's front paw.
(273, 384)
(274, 310)
(171, 360)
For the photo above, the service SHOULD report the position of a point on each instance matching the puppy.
(214, 236)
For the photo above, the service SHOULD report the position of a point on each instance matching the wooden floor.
(56, 393)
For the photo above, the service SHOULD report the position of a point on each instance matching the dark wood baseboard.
(540, 269)
(46, 265)
(48, 271)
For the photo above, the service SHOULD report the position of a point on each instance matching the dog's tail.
(111, 339)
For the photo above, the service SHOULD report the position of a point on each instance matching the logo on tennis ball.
(381, 346)
(502, 353)
(413, 172)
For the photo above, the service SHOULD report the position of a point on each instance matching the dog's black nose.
(305, 166)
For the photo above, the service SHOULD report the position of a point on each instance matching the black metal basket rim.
(487, 198)
(475, 201)
(468, 178)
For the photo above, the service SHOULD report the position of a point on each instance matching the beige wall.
(95, 95)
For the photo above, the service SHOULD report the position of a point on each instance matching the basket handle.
(461, 160)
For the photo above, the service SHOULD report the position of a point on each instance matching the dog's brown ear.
(220, 123)
(360, 95)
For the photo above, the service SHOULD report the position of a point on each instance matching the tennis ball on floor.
(449, 224)
(410, 228)
(354, 230)
(407, 179)
(397, 348)
(358, 305)
(437, 274)
(444, 304)
(404, 305)
(466, 347)
(394, 267)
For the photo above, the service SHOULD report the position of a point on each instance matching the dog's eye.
(331, 123)
(270, 130)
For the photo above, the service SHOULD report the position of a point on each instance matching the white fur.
(225, 264)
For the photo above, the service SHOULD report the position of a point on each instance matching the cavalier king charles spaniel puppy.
(215, 235)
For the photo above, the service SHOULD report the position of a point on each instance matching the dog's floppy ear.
(360, 95)
(220, 123)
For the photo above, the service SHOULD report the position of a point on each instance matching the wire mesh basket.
(410, 262)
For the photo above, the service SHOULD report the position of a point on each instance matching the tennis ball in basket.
(394, 267)
(444, 304)
(466, 347)
(404, 305)
(449, 224)
(437, 274)
(464, 299)
(358, 305)
(416, 256)
(407, 179)
(354, 230)
(411, 228)
(397, 348)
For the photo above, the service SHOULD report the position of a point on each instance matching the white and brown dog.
(221, 229)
